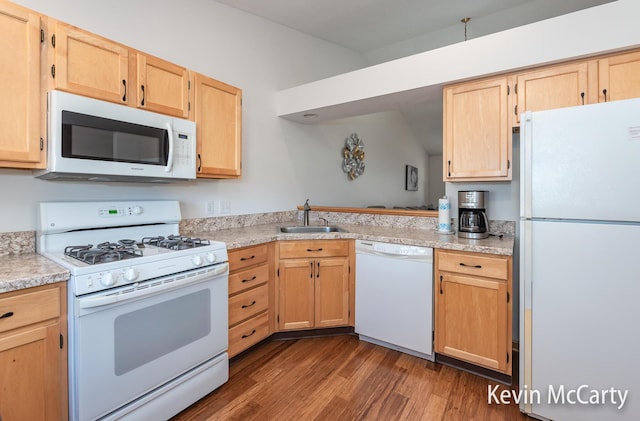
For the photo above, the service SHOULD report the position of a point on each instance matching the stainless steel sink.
(310, 228)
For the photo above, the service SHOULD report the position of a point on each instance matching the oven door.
(125, 343)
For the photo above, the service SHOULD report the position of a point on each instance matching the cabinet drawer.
(242, 258)
(248, 278)
(313, 248)
(28, 308)
(248, 333)
(489, 266)
(248, 303)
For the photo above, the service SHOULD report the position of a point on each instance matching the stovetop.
(125, 249)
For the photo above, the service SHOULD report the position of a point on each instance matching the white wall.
(283, 162)
(436, 186)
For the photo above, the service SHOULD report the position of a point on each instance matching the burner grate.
(176, 242)
(104, 252)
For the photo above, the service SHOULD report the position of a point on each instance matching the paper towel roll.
(444, 215)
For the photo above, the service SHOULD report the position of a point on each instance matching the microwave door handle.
(170, 157)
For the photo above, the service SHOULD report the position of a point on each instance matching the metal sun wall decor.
(353, 157)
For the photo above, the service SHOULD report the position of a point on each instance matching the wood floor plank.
(340, 378)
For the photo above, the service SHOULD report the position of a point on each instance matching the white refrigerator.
(580, 263)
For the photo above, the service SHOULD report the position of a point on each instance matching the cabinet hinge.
(41, 144)
(61, 341)
(41, 35)
(53, 71)
(53, 40)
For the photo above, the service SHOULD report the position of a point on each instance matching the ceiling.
(382, 30)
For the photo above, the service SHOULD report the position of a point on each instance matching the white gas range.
(147, 307)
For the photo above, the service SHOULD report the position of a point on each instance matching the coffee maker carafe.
(472, 217)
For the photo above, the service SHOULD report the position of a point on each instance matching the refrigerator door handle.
(526, 275)
(526, 149)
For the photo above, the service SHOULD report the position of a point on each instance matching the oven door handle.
(153, 287)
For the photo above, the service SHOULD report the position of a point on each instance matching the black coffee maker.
(472, 216)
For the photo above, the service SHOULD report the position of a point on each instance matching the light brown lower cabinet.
(33, 354)
(314, 284)
(249, 296)
(473, 308)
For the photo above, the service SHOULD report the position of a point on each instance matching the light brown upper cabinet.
(162, 86)
(477, 135)
(20, 104)
(619, 77)
(86, 64)
(552, 87)
(218, 115)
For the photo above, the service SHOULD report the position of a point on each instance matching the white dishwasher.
(394, 296)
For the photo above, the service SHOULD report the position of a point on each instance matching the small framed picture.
(411, 178)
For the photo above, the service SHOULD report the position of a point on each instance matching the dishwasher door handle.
(420, 257)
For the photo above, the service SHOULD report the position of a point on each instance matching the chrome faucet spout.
(306, 209)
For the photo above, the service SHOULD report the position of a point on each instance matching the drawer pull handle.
(249, 305)
(7, 314)
(471, 266)
(310, 250)
(249, 280)
(246, 336)
(242, 259)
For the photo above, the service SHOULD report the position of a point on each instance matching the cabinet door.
(619, 77)
(477, 137)
(218, 115)
(296, 293)
(331, 292)
(552, 87)
(20, 87)
(162, 86)
(30, 374)
(89, 65)
(471, 320)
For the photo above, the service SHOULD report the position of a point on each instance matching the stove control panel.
(116, 211)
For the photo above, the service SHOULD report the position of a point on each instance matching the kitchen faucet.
(306, 208)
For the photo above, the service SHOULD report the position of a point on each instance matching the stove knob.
(211, 257)
(136, 210)
(196, 260)
(130, 275)
(107, 279)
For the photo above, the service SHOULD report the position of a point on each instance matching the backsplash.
(21, 242)
(334, 218)
(216, 223)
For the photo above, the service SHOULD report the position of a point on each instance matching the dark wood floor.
(342, 378)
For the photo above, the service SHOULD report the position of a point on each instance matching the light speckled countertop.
(257, 234)
(28, 270)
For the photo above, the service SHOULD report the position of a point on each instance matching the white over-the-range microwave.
(95, 140)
